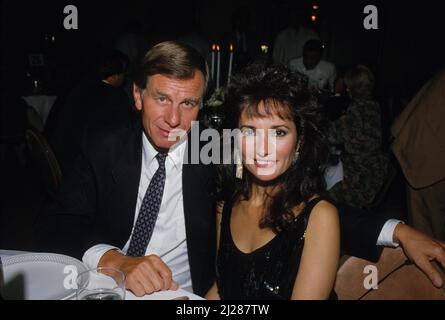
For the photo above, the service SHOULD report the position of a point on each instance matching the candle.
(264, 48)
(218, 66)
(230, 65)
(213, 62)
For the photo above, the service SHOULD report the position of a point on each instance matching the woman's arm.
(321, 252)
(212, 294)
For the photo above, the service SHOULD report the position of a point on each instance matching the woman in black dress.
(279, 238)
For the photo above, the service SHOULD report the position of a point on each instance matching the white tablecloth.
(166, 295)
(42, 104)
(9, 253)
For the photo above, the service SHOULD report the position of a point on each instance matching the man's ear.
(137, 95)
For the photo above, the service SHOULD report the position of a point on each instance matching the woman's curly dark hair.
(285, 94)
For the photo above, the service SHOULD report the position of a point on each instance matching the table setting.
(50, 276)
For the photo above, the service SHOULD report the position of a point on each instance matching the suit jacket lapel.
(126, 174)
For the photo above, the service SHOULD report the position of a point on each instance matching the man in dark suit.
(109, 191)
(132, 202)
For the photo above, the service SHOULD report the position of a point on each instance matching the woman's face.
(268, 144)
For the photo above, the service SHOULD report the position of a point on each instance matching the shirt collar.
(175, 154)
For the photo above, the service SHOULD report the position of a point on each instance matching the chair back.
(397, 279)
(43, 160)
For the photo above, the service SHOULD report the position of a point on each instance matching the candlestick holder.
(214, 113)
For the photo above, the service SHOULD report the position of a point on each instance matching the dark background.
(406, 48)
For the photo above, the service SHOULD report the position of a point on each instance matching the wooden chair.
(397, 279)
(43, 160)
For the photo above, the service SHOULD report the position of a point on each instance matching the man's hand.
(144, 275)
(422, 250)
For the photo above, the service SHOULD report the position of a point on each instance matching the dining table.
(47, 271)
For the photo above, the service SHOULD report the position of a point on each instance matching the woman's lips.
(265, 163)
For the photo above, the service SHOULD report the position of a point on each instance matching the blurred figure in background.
(128, 42)
(13, 116)
(419, 145)
(244, 39)
(193, 36)
(359, 133)
(321, 73)
(289, 42)
(13, 122)
(100, 101)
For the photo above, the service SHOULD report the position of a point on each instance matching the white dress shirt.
(387, 234)
(322, 76)
(289, 43)
(169, 236)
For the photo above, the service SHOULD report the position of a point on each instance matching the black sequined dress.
(266, 273)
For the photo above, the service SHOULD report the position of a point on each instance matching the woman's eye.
(279, 133)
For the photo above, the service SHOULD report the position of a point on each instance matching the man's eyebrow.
(160, 93)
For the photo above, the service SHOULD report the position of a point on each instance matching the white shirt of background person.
(321, 77)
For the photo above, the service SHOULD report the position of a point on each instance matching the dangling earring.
(239, 167)
(296, 157)
(239, 171)
(297, 153)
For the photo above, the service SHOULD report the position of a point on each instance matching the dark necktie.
(149, 211)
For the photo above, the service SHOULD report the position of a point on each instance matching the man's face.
(168, 107)
(311, 59)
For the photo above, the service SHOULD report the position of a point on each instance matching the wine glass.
(101, 284)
